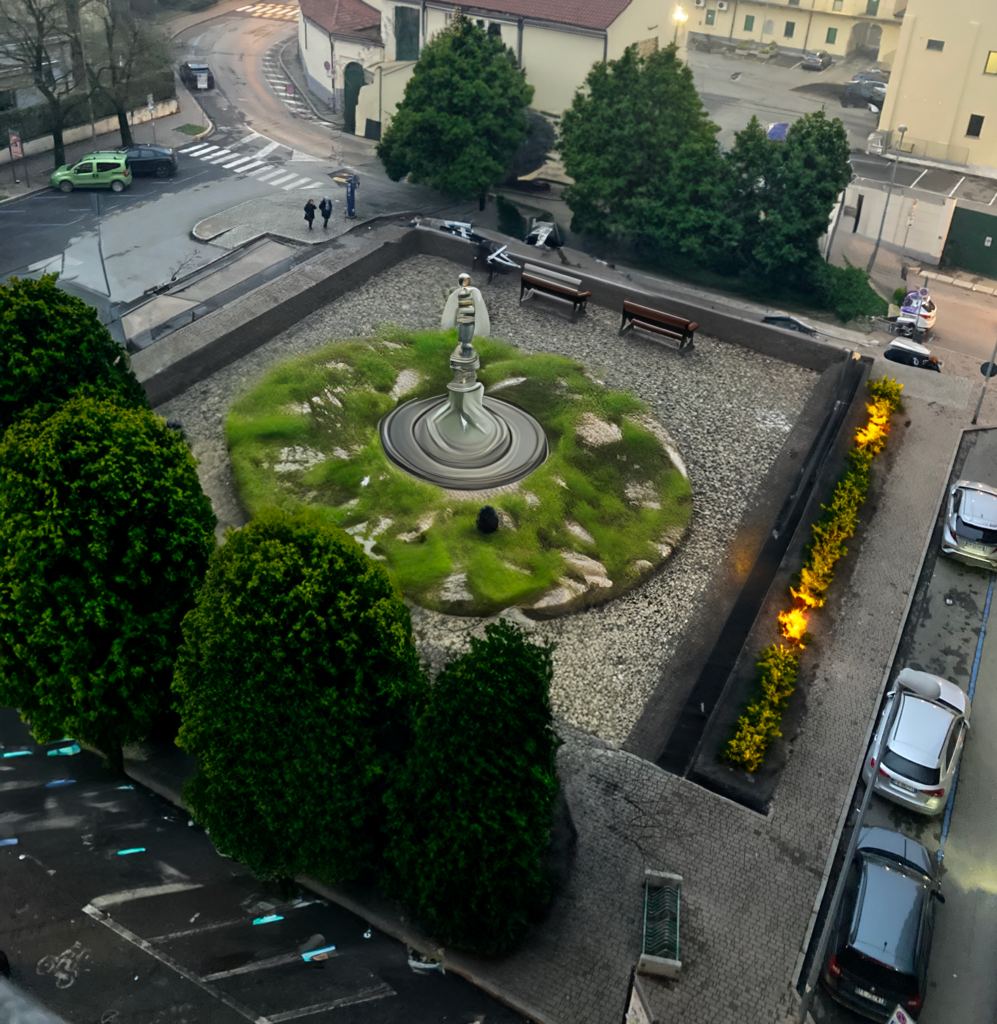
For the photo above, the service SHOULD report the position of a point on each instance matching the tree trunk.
(59, 147)
(123, 126)
(80, 78)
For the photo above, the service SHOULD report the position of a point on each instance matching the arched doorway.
(866, 38)
(352, 84)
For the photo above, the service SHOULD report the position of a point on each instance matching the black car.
(790, 323)
(191, 72)
(882, 937)
(160, 161)
(910, 353)
(861, 94)
(815, 60)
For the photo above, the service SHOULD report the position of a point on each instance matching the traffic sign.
(14, 140)
(150, 103)
(986, 370)
(900, 1016)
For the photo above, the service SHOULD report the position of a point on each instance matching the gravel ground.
(729, 410)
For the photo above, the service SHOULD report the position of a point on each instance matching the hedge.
(778, 666)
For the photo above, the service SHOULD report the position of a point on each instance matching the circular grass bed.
(607, 506)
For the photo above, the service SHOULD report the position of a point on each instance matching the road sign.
(900, 1016)
(289, 89)
(14, 140)
(986, 371)
(150, 103)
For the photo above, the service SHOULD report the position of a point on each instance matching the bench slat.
(553, 275)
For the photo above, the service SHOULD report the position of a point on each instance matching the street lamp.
(902, 128)
(680, 18)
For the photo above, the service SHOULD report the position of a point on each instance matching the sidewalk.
(165, 131)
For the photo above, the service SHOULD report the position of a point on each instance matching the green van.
(95, 170)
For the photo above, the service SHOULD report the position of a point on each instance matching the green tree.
(644, 157)
(750, 170)
(297, 681)
(812, 170)
(51, 344)
(470, 815)
(104, 537)
(463, 114)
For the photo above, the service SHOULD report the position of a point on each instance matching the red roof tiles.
(343, 17)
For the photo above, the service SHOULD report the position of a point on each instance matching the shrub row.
(778, 665)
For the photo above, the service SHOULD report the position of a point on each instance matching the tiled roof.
(597, 14)
(343, 17)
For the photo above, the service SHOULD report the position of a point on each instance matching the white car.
(969, 533)
(924, 744)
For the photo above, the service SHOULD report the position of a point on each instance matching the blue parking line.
(972, 690)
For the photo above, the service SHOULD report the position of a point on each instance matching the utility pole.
(902, 128)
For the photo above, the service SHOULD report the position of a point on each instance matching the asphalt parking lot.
(114, 908)
(950, 184)
(946, 635)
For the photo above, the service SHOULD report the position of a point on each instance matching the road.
(114, 908)
(943, 636)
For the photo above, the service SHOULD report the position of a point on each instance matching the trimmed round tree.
(297, 683)
(463, 115)
(104, 537)
(51, 344)
(470, 817)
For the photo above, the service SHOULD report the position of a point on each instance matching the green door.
(972, 242)
(352, 83)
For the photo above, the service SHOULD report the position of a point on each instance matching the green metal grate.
(661, 920)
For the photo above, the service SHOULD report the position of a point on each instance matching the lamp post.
(680, 18)
(902, 128)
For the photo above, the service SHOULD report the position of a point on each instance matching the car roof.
(886, 923)
(102, 154)
(920, 730)
(910, 346)
(979, 504)
(887, 842)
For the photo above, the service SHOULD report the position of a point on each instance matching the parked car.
(910, 353)
(970, 530)
(777, 131)
(872, 76)
(192, 72)
(790, 323)
(862, 94)
(95, 170)
(816, 60)
(924, 744)
(881, 940)
(162, 161)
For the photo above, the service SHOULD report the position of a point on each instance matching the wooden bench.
(664, 325)
(560, 286)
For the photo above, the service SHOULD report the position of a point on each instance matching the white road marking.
(146, 947)
(264, 177)
(254, 166)
(241, 160)
(267, 150)
(298, 183)
(282, 179)
(194, 150)
(257, 965)
(958, 183)
(217, 158)
(127, 895)
(187, 932)
(365, 995)
(206, 150)
(317, 186)
(913, 184)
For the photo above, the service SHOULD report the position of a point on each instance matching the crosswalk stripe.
(250, 167)
(296, 183)
(203, 151)
(265, 177)
(267, 150)
(217, 158)
(312, 184)
(241, 160)
(282, 179)
(193, 150)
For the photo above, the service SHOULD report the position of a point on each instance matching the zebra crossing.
(254, 164)
(282, 12)
(282, 85)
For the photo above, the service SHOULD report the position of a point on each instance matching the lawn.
(307, 435)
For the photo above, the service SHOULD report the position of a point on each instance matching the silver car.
(923, 748)
(970, 530)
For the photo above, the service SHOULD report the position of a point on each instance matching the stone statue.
(466, 296)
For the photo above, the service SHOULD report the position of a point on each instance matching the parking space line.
(168, 961)
(257, 965)
(913, 184)
(961, 180)
(187, 932)
(127, 895)
(366, 995)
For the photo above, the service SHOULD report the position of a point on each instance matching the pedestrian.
(310, 212)
(325, 208)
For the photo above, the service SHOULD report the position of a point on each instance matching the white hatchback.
(924, 745)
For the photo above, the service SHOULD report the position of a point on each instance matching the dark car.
(193, 74)
(160, 161)
(861, 94)
(882, 938)
(790, 323)
(872, 76)
(815, 60)
(910, 353)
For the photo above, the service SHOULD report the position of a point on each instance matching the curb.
(24, 195)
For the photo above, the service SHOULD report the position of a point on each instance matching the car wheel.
(117, 186)
(162, 170)
(65, 186)
(843, 103)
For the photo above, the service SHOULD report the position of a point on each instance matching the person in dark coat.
(310, 212)
(325, 208)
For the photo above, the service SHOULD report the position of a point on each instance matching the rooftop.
(344, 17)
(595, 14)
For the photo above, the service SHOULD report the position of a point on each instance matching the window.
(711, 17)
(107, 167)
(975, 126)
(837, 5)
(481, 23)
(872, 7)
(86, 168)
(8, 99)
(494, 29)
(936, 44)
(749, 23)
(794, 3)
(832, 35)
(790, 29)
(407, 33)
(990, 69)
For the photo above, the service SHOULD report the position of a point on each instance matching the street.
(116, 908)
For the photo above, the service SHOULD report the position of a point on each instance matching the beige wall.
(918, 231)
(935, 93)
(556, 64)
(316, 48)
(379, 100)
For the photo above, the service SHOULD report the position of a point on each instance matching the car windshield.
(918, 773)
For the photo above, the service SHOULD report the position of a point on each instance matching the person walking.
(325, 208)
(310, 212)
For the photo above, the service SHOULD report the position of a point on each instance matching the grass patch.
(192, 129)
(308, 435)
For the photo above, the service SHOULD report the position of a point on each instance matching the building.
(346, 42)
(944, 83)
(869, 28)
